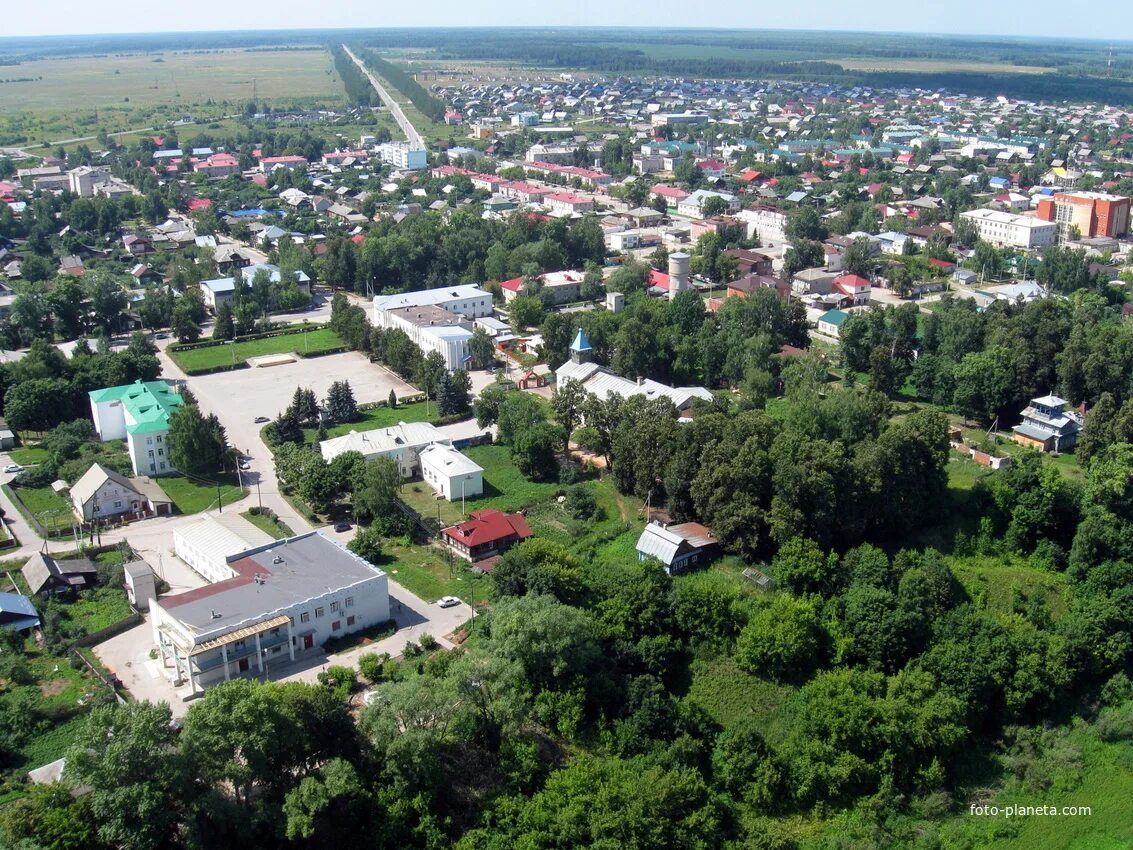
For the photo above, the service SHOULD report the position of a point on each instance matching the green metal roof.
(148, 403)
(834, 317)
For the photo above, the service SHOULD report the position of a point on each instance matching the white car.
(13, 467)
(448, 601)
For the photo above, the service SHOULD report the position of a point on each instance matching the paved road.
(415, 138)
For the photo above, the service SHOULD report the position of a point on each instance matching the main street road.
(415, 138)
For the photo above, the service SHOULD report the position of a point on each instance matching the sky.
(1107, 19)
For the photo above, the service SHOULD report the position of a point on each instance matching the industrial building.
(277, 602)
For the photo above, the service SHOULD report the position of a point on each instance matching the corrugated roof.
(383, 440)
(219, 536)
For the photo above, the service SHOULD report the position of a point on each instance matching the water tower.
(678, 273)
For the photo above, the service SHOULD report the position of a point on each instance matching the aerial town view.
(645, 427)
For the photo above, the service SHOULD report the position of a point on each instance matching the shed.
(141, 586)
(17, 612)
(45, 575)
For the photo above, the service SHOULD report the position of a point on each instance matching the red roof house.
(854, 287)
(485, 534)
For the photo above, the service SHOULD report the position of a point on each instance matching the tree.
(375, 488)
(454, 396)
(127, 756)
(481, 348)
(367, 544)
(783, 640)
(802, 567)
(858, 258)
(340, 403)
(804, 223)
(516, 413)
(567, 406)
(533, 451)
(185, 321)
(196, 446)
(322, 806)
(593, 286)
(430, 371)
(38, 404)
(525, 311)
(223, 327)
(107, 298)
(713, 205)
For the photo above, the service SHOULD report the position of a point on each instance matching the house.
(450, 473)
(217, 165)
(486, 534)
(565, 204)
(139, 413)
(813, 282)
(275, 602)
(1048, 426)
(136, 244)
(102, 494)
(855, 287)
(678, 546)
(17, 612)
(830, 323)
(742, 287)
(691, 205)
(557, 287)
(46, 576)
(222, 290)
(401, 443)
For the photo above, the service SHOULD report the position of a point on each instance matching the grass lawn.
(379, 417)
(51, 510)
(1001, 583)
(731, 695)
(427, 572)
(275, 527)
(28, 455)
(191, 497)
(505, 488)
(314, 340)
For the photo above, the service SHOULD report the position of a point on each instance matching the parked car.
(245, 465)
(342, 525)
(260, 420)
(13, 467)
(448, 601)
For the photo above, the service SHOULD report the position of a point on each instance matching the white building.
(205, 545)
(450, 473)
(401, 155)
(690, 206)
(434, 329)
(467, 300)
(85, 178)
(221, 290)
(278, 602)
(139, 414)
(766, 224)
(566, 203)
(1008, 230)
(402, 443)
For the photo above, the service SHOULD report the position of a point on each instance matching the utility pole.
(259, 498)
(219, 499)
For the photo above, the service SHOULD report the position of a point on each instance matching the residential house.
(855, 287)
(46, 576)
(102, 494)
(485, 535)
(691, 205)
(137, 244)
(679, 546)
(1048, 426)
(557, 287)
(830, 323)
(565, 204)
(222, 290)
(452, 475)
(217, 165)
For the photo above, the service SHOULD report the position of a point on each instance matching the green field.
(49, 509)
(379, 417)
(191, 497)
(28, 455)
(171, 78)
(428, 572)
(199, 359)
(273, 526)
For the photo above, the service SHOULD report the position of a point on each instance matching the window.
(349, 601)
(149, 441)
(159, 438)
(117, 504)
(350, 621)
(305, 617)
(318, 613)
(336, 626)
(334, 605)
(162, 465)
(161, 452)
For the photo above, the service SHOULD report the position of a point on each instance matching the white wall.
(109, 419)
(140, 446)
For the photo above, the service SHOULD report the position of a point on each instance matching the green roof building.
(139, 414)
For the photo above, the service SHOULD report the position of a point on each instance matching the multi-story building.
(85, 178)
(401, 443)
(433, 329)
(565, 203)
(139, 414)
(558, 287)
(402, 155)
(1008, 230)
(1048, 426)
(277, 602)
(767, 224)
(1092, 213)
(466, 299)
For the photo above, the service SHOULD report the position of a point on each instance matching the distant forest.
(1078, 67)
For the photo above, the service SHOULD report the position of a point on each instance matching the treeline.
(359, 92)
(430, 107)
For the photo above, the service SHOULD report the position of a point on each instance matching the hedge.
(212, 370)
(209, 343)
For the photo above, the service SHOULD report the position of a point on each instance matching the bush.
(340, 679)
(37, 476)
(581, 504)
(428, 642)
(373, 666)
(412, 650)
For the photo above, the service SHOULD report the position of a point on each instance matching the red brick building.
(1093, 213)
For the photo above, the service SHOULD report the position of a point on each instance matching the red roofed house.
(672, 194)
(657, 279)
(750, 174)
(855, 287)
(270, 162)
(560, 287)
(199, 204)
(749, 283)
(217, 165)
(564, 203)
(485, 534)
(712, 169)
(942, 264)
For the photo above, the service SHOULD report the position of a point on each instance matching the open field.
(97, 82)
(191, 497)
(197, 359)
(379, 417)
(935, 66)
